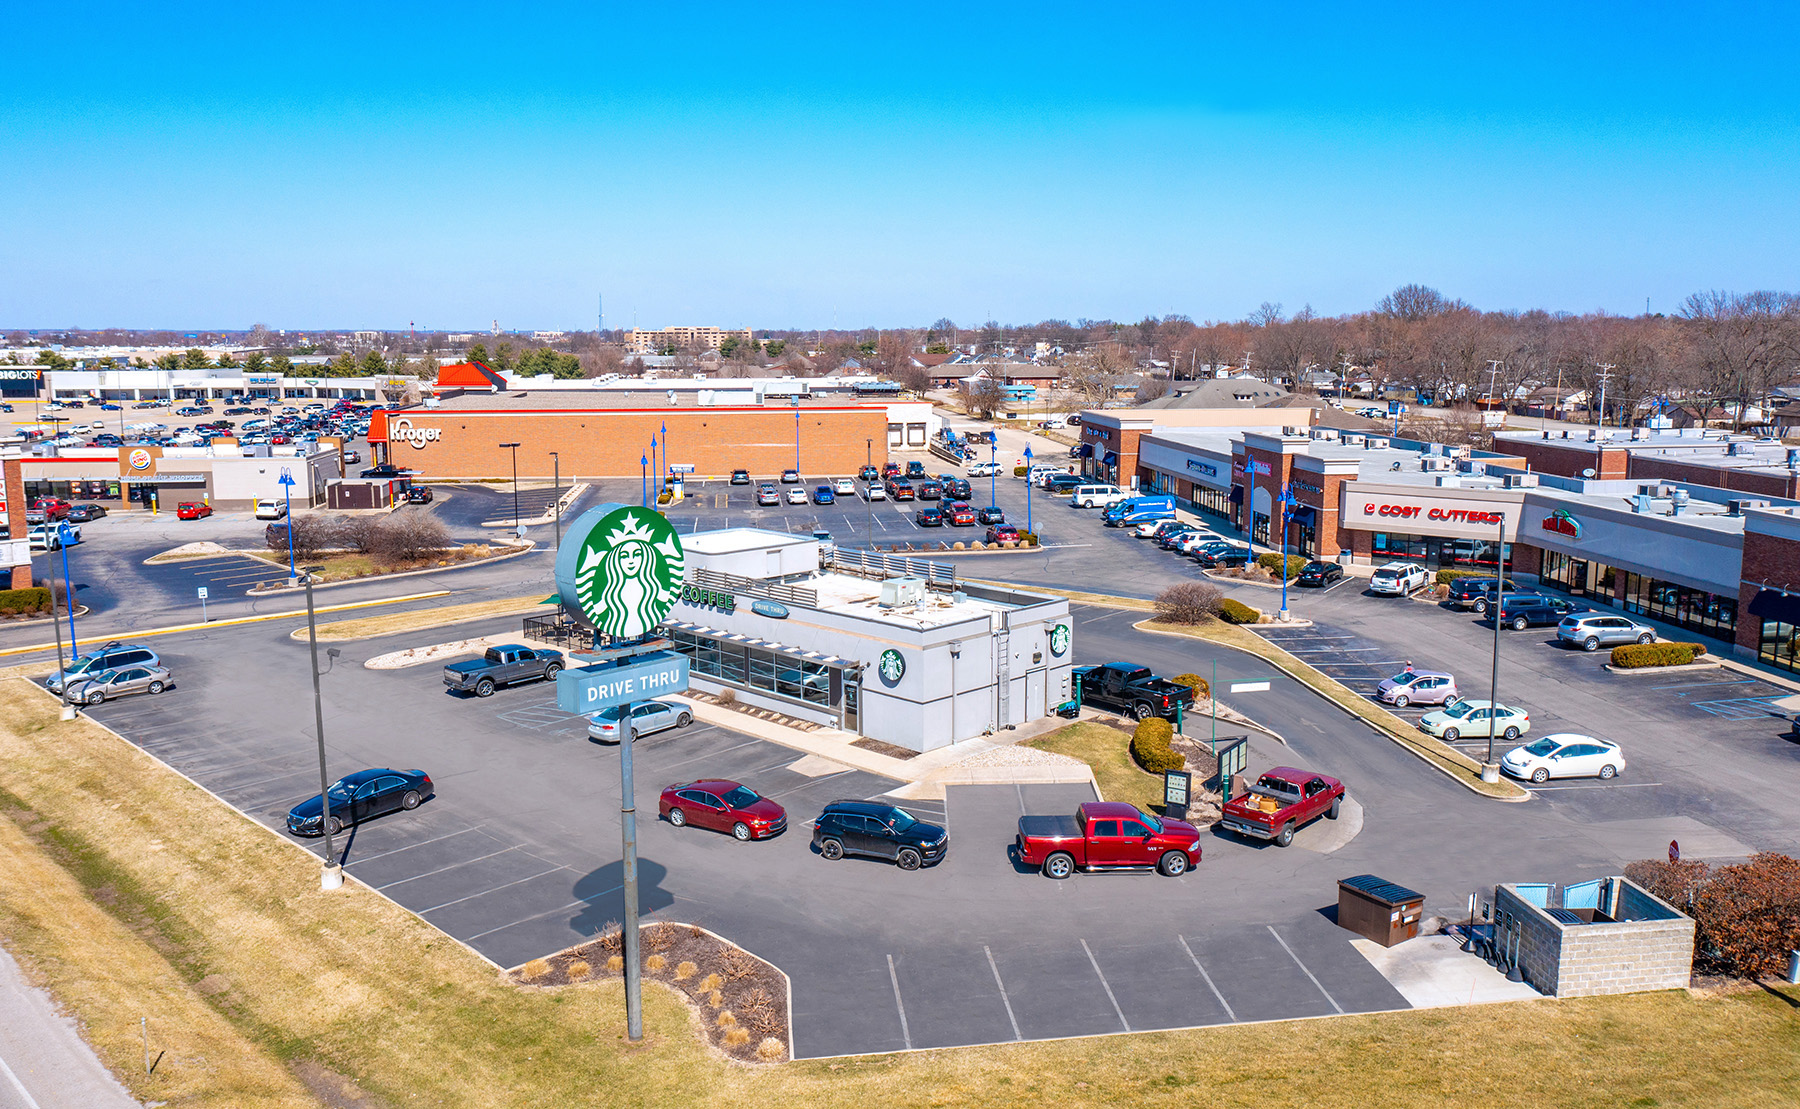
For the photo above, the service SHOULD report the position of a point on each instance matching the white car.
(1397, 579)
(48, 537)
(983, 469)
(874, 492)
(844, 487)
(646, 717)
(796, 495)
(270, 510)
(1193, 539)
(1564, 755)
(1475, 718)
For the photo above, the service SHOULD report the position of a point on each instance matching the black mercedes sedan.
(361, 796)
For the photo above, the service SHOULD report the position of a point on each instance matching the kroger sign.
(403, 431)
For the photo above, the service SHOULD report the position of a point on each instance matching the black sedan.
(1319, 573)
(418, 494)
(361, 796)
(929, 518)
(82, 513)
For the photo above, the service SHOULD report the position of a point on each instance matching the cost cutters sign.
(403, 431)
(1449, 516)
(1454, 515)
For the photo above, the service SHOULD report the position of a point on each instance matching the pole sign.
(1176, 784)
(620, 570)
(640, 678)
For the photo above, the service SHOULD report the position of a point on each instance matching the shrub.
(1236, 612)
(737, 1037)
(578, 969)
(1272, 562)
(615, 963)
(14, 602)
(407, 538)
(1748, 916)
(1445, 577)
(711, 982)
(1020, 471)
(1150, 746)
(1632, 656)
(1194, 682)
(1674, 882)
(1188, 602)
(537, 968)
(655, 962)
(770, 1050)
(685, 969)
(1028, 539)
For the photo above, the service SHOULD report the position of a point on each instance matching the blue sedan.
(824, 495)
(361, 796)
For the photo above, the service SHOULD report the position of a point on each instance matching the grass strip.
(1107, 750)
(260, 974)
(421, 619)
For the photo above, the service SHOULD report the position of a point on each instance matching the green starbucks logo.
(620, 569)
(1059, 640)
(891, 666)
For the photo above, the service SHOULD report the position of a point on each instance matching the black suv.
(1465, 592)
(880, 832)
(1531, 610)
(930, 491)
(955, 488)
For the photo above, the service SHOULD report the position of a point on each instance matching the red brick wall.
(1648, 468)
(608, 443)
(1768, 560)
(1565, 458)
(20, 577)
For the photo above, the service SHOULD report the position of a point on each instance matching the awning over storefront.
(1237, 494)
(1304, 514)
(1111, 458)
(1084, 450)
(762, 644)
(1774, 604)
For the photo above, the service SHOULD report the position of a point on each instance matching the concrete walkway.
(44, 1062)
(1433, 972)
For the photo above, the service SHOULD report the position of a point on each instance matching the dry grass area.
(1107, 750)
(131, 892)
(348, 565)
(422, 619)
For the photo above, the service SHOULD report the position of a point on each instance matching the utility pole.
(1606, 369)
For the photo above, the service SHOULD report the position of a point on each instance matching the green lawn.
(1108, 751)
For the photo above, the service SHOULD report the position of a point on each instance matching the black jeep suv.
(880, 832)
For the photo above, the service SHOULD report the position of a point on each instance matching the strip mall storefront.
(1443, 528)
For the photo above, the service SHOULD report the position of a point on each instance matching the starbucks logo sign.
(1059, 640)
(891, 666)
(620, 569)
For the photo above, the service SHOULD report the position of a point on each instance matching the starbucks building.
(893, 649)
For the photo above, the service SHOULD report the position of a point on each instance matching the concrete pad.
(1325, 836)
(813, 766)
(1630, 840)
(1432, 972)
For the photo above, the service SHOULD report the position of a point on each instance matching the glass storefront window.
(1469, 554)
(1214, 501)
(755, 668)
(1695, 609)
(1779, 645)
(1259, 530)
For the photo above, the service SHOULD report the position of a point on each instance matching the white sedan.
(844, 487)
(1564, 755)
(1476, 718)
(646, 717)
(874, 492)
(796, 495)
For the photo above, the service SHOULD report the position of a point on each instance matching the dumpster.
(1377, 909)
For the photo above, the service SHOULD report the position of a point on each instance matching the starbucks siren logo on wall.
(891, 666)
(620, 569)
(1059, 640)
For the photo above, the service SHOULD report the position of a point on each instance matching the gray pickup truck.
(502, 665)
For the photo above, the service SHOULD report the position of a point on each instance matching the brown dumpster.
(1378, 909)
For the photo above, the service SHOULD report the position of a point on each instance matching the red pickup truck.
(1281, 801)
(1107, 835)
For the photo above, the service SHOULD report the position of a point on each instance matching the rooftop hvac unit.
(1432, 463)
(1354, 440)
(1378, 442)
(1518, 481)
(1678, 501)
(1736, 508)
(902, 592)
(1793, 459)
(1640, 503)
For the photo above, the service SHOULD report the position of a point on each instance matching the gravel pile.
(1018, 756)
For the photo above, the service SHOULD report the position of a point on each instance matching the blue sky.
(367, 165)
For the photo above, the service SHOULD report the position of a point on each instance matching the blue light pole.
(1028, 488)
(994, 474)
(665, 449)
(1286, 500)
(644, 473)
(654, 462)
(796, 434)
(63, 533)
(287, 487)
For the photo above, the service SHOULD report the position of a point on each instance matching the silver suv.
(1592, 630)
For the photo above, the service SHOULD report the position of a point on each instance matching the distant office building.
(641, 341)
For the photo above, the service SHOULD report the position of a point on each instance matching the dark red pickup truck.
(1280, 802)
(1107, 835)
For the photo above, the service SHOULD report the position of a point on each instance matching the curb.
(549, 517)
(1662, 669)
(530, 544)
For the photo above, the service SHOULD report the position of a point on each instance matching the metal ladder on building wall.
(1003, 675)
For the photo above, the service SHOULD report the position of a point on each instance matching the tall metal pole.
(1028, 487)
(517, 530)
(1488, 768)
(556, 491)
(796, 435)
(1284, 551)
(68, 709)
(634, 971)
(68, 589)
(868, 501)
(994, 473)
(331, 876)
(644, 475)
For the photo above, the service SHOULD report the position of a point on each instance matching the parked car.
(984, 469)
(867, 474)
(1002, 533)
(1129, 688)
(52, 508)
(722, 806)
(112, 656)
(418, 494)
(797, 495)
(1107, 835)
(506, 664)
(740, 477)
(53, 537)
(1484, 604)
(1281, 802)
(915, 470)
(1533, 610)
(1188, 542)
(1063, 484)
(268, 509)
(83, 513)
(1564, 755)
(1096, 496)
(992, 514)
(790, 477)
(646, 717)
(878, 831)
(361, 796)
(767, 494)
(955, 488)
(1476, 718)
(844, 487)
(1592, 630)
(824, 495)
(930, 491)
(928, 517)
(1423, 687)
(192, 510)
(1169, 539)
(1214, 555)
(1397, 579)
(891, 469)
(1467, 592)
(1316, 573)
(874, 492)
(959, 515)
(1160, 530)
(108, 685)
(899, 489)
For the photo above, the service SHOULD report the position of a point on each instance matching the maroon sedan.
(724, 807)
(960, 515)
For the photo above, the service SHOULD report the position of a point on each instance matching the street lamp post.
(796, 434)
(994, 473)
(68, 709)
(287, 488)
(518, 529)
(1490, 771)
(644, 474)
(68, 586)
(556, 491)
(665, 450)
(868, 502)
(331, 876)
(1286, 501)
(1028, 488)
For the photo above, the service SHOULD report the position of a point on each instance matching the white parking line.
(496, 889)
(1108, 988)
(1207, 977)
(1004, 1000)
(30, 1102)
(714, 754)
(421, 843)
(1302, 966)
(539, 916)
(1597, 785)
(452, 866)
(905, 1032)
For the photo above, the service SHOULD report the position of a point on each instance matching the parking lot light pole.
(331, 876)
(556, 491)
(68, 586)
(634, 971)
(287, 488)
(796, 434)
(868, 501)
(1028, 488)
(517, 529)
(644, 475)
(1490, 770)
(68, 710)
(1286, 500)
(994, 474)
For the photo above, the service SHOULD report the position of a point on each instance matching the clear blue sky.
(363, 165)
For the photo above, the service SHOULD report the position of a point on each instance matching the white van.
(1097, 496)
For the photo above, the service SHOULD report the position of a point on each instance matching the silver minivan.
(1593, 630)
(113, 656)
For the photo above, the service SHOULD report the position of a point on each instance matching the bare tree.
(983, 396)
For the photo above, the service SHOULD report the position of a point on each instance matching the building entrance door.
(1034, 693)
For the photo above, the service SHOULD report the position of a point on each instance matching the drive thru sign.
(592, 688)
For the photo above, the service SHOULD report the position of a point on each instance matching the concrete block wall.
(1588, 960)
(1540, 941)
